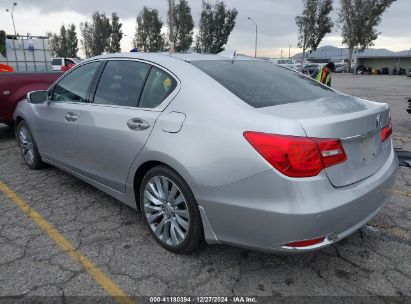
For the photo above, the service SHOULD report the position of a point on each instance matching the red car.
(15, 85)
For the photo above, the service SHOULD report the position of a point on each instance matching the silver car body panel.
(198, 131)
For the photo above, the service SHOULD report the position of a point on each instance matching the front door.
(58, 118)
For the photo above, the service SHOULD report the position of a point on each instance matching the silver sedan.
(214, 149)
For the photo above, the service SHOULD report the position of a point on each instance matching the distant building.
(393, 62)
(382, 57)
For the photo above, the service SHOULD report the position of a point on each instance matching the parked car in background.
(289, 63)
(59, 62)
(309, 68)
(384, 71)
(341, 68)
(14, 87)
(298, 167)
(67, 67)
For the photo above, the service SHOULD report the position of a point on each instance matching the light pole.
(130, 37)
(15, 33)
(256, 35)
(12, 17)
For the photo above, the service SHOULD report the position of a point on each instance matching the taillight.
(297, 156)
(331, 150)
(387, 130)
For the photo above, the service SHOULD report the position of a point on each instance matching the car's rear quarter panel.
(210, 148)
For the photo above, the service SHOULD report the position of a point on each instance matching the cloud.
(275, 19)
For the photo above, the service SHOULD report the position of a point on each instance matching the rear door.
(115, 126)
(58, 118)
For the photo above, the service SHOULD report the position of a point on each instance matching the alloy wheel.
(166, 210)
(26, 144)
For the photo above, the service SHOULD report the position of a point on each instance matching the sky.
(275, 19)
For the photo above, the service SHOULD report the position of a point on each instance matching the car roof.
(176, 63)
(188, 57)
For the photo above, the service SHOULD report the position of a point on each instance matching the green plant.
(3, 43)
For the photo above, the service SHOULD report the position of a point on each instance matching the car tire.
(28, 147)
(171, 214)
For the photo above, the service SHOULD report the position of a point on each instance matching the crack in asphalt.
(372, 261)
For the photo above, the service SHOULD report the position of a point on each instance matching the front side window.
(74, 86)
(158, 87)
(121, 83)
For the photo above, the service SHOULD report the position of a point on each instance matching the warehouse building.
(393, 63)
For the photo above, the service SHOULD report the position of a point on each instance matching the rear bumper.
(267, 211)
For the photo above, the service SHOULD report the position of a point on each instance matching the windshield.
(263, 84)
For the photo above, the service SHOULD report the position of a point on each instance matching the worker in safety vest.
(323, 74)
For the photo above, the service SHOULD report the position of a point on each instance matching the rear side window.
(74, 86)
(158, 87)
(56, 61)
(121, 83)
(263, 84)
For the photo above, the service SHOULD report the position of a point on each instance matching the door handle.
(137, 124)
(71, 116)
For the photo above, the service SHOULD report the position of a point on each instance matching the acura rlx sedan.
(222, 150)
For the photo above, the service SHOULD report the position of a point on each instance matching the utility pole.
(289, 51)
(15, 33)
(12, 17)
(281, 53)
(256, 35)
(170, 24)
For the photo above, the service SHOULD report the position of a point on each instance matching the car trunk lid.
(356, 122)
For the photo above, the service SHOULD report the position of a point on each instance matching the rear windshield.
(263, 84)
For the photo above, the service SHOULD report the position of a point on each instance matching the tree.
(71, 41)
(116, 34)
(313, 24)
(96, 35)
(55, 46)
(87, 38)
(216, 25)
(148, 36)
(63, 41)
(3, 43)
(183, 26)
(358, 21)
(64, 44)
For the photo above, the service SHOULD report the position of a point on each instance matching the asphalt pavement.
(113, 252)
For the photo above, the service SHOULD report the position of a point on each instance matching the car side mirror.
(37, 97)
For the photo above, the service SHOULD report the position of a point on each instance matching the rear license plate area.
(368, 149)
